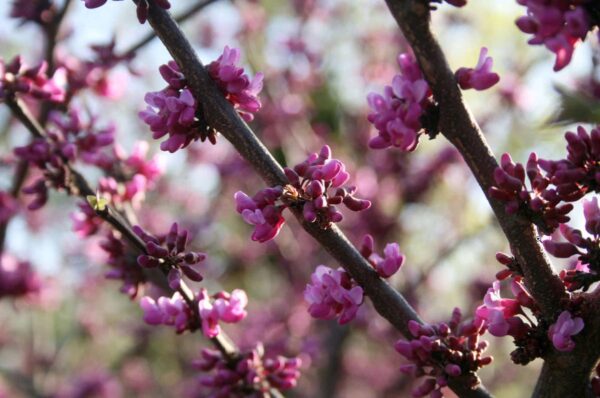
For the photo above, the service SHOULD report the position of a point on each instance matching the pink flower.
(563, 329)
(142, 6)
(387, 266)
(500, 314)
(229, 308)
(333, 293)
(396, 114)
(237, 87)
(262, 212)
(166, 311)
(16, 78)
(559, 25)
(479, 78)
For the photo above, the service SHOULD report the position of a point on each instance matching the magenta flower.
(563, 329)
(333, 293)
(39, 11)
(167, 311)
(397, 113)
(442, 351)
(170, 250)
(317, 185)
(229, 308)
(17, 278)
(388, 265)
(237, 87)
(262, 373)
(499, 315)
(16, 78)
(262, 212)
(557, 24)
(479, 78)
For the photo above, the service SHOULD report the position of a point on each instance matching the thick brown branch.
(221, 116)
(460, 128)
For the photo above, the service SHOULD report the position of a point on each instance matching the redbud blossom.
(442, 351)
(169, 250)
(557, 24)
(333, 293)
(499, 315)
(16, 78)
(172, 311)
(17, 278)
(251, 371)
(229, 308)
(237, 87)
(388, 265)
(397, 113)
(479, 78)
(563, 329)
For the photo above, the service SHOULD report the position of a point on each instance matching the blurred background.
(78, 336)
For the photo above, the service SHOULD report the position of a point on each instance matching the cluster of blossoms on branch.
(17, 278)
(315, 187)
(444, 351)
(333, 293)
(175, 311)
(565, 180)
(175, 112)
(559, 25)
(142, 6)
(252, 376)
(169, 252)
(587, 249)
(407, 108)
(17, 78)
(509, 317)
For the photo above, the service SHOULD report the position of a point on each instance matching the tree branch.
(461, 129)
(221, 116)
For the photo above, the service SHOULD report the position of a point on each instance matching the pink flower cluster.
(333, 293)
(557, 24)
(237, 87)
(170, 251)
(397, 113)
(172, 311)
(389, 264)
(315, 185)
(565, 180)
(16, 78)
(75, 138)
(95, 73)
(123, 263)
(17, 278)
(563, 329)
(500, 315)
(442, 351)
(229, 308)
(142, 6)
(176, 111)
(262, 211)
(252, 371)
(579, 173)
(587, 249)
(541, 205)
(479, 78)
